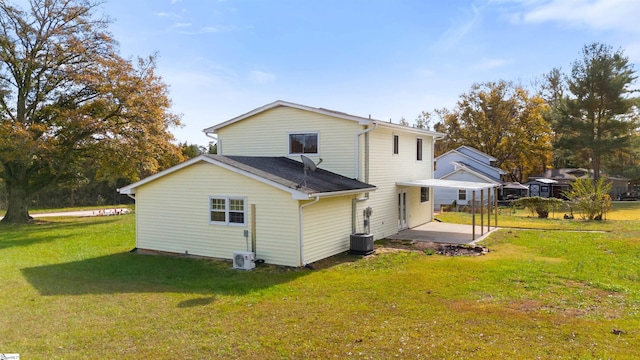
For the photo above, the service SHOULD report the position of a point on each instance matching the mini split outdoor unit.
(244, 260)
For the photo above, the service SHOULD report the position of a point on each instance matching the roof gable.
(280, 172)
(471, 171)
(475, 170)
(470, 161)
(278, 103)
(468, 150)
(333, 113)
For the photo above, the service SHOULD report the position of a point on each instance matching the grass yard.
(71, 289)
(624, 214)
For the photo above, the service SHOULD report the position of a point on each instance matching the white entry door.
(403, 210)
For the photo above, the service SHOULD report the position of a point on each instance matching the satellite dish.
(308, 163)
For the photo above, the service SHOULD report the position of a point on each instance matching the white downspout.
(357, 162)
(219, 150)
(302, 228)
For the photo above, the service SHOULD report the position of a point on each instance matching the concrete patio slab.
(444, 233)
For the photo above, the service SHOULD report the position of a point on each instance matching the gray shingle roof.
(290, 173)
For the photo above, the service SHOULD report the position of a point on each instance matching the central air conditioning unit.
(244, 260)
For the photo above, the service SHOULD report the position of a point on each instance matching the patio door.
(403, 210)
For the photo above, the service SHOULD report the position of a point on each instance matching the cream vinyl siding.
(267, 134)
(327, 226)
(173, 215)
(386, 169)
(419, 212)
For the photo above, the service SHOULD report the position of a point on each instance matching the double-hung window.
(227, 210)
(303, 143)
(462, 194)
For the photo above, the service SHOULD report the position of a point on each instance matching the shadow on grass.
(135, 273)
(41, 231)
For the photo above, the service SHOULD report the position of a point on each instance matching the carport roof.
(447, 184)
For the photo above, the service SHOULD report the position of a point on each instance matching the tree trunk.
(595, 164)
(17, 211)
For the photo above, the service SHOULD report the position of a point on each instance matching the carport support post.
(473, 215)
(481, 212)
(488, 209)
(496, 205)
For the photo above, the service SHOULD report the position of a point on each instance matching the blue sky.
(388, 59)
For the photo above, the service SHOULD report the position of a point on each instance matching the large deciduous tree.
(502, 120)
(69, 100)
(597, 119)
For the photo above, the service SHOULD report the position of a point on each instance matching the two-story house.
(257, 195)
(464, 164)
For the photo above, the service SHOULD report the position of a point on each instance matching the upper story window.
(303, 143)
(396, 144)
(419, 149)
(227, 210)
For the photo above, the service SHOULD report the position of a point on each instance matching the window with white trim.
(419, 149)
(396, 144)
(303, 143)
(227, 210)
(462, 194)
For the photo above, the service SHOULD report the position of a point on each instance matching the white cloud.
(167, 14)
(596, 14)
(459, 29)
(261, 77)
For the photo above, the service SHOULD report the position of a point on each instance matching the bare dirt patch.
(430, 247)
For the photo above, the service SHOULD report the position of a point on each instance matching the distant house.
(546, 188)
(464, 164)
(372, 177)
(553, 182)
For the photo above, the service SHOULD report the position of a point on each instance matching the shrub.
(538, 204)
(590, 198)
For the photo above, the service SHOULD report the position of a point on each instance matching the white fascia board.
(448, 184)
(401, 128)
(341, 193)
(337, 114)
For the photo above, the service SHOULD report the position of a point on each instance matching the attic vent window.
(303, 143)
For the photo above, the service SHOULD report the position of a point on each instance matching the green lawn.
(71, 289)
(624, 214)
